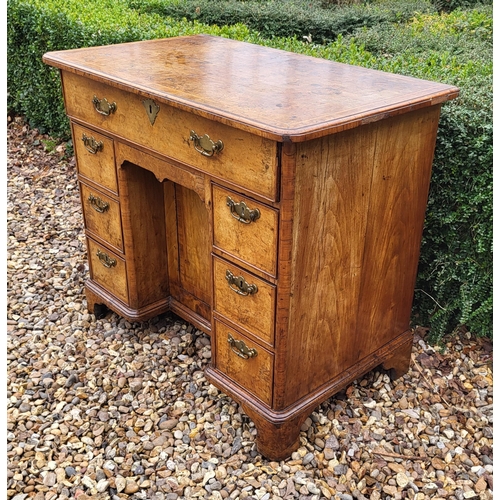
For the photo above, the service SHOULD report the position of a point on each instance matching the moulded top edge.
(273, 93)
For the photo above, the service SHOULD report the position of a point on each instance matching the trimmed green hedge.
(285, 18)
(455, 276)
(455, 279)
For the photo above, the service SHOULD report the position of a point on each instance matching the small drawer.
(245, 229)
(95, 157)
(244, 299)
(102, 216)
(108, 270)
(245, 362)
(240, 157)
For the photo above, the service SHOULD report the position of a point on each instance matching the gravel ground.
(106, 409)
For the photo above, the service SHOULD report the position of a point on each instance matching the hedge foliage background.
(449, 41)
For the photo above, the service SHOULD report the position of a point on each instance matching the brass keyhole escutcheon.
(239, 285)
(152, 109)
(241, 212)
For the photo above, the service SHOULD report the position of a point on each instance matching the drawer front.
(108, 270)
(102, 216)
(251, 308)
(245, 159)
(245, 362)
(245, 229)
(95, 157)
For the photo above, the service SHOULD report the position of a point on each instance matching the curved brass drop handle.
(91, 145)
(241, 212)
(205, 145)
(241, 287)
(239, 347)
(105, 259)
(97, 204)
(103, 106)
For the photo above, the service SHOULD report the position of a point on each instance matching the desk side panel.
(360, 199)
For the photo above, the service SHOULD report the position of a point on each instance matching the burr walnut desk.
(276, 201)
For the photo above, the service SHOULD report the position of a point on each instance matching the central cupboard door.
(188, 246)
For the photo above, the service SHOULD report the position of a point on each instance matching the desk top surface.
(270, 92)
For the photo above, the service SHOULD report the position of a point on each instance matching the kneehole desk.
(274, 200)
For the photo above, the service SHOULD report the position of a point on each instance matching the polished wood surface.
(102, 223)
(141, 201)
(336, 159)
(114, 278)
(358, 218)
(188, 250)
(254, 243)
(246, 159)
(269, 92)
(96, 167)
(163, 170)
(254, 374)
(193, 244)
(253, 313)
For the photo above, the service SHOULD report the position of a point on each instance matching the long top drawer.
(221, 151)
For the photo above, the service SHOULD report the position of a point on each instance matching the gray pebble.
(70, 471)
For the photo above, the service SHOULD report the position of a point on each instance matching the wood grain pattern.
(163, 170)
(194, 244)
(246, 159)
(99, 167)
(269, 92)
(255, 374)
(397, 210)
(255, 243)
(113, 279)
(105, 225)
(356, 244)
(188, 250)
(254, 314)
(333, 177)
(285, 254)
(143, 216)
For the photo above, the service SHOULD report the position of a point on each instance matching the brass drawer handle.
(241, 287)
(97, 204)
(239, 347)
(205, 145)
(91, 145)
(105, 259)
(241, 212)
(103, 106)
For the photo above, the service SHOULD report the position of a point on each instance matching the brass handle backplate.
(239, 285)
(97, 204)
(91, 145)
(241, 212)
(105, 259)
(239, 347)
(205, 145)
(103, 106)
